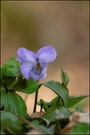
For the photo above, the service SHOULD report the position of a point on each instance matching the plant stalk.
(35, 103)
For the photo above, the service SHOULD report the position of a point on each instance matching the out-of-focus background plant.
(62, 24)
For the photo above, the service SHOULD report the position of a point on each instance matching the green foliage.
(11, 67)
(74, 100)
(8, 80)
(53, 116)
(12, 102)
(77, 109)
(64, 77)
(26, 86)
(47, 130)
(42, 126)
(59, 89)
(12, 79)
(43, 104)
(10, 123)
(53, 104)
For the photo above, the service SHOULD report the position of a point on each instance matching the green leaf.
(65, 112)
(77, 109)
(41, 126)
(47, 130)
(74, 100)
(20, 84)
(51, 114)
(56, 101)
(11, 67)
(64, 77)
(6, 119)
(47, 122)
(7, 80)
(4, 101)
(9, 122)
(59, 89)
(26, 86)
(14, 103)
(2, 91)
(59, 114)
(35, 122)
(43, 104)
(21, 105)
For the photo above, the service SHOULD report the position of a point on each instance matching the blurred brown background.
(62, 24)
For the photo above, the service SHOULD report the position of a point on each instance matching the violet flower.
(35, 65)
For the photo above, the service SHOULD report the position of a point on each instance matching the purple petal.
(46, 54)
(25, 69)
(35, 76)
(43, 73)
(44, 66)
(38, 77)
(24, 55)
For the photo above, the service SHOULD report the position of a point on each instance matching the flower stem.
(35, 103)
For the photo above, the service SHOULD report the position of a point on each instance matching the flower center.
(37, 69)
(38, 66)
